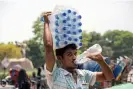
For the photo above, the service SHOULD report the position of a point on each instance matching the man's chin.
(71, 69)
(74, 67)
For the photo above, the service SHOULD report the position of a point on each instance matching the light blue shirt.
(62, 79)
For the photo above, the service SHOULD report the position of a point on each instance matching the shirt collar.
(65, 72)
(68, 73)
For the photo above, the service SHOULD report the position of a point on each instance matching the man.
(68, 76)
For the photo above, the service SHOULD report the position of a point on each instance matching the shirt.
(60, 78)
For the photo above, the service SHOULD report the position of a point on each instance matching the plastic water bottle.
(92, 51)
(82, 58)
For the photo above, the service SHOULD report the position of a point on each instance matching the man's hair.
(61, 51)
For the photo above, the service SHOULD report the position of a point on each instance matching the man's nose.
(74, 57)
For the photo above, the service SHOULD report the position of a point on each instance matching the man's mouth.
(74, 62)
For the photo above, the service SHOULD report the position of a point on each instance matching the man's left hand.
(97, 58)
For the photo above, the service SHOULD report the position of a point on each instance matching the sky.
(17, 16)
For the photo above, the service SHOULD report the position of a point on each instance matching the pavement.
(122, 86)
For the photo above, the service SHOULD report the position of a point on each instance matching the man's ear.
(59, 57)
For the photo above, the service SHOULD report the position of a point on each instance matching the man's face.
(68, 59)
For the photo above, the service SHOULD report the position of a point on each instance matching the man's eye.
(69, 54)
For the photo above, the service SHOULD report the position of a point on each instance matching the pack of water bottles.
(65, 25)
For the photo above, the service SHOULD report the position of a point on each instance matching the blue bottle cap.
(56, 23)
(74, 27)
(69, 38)
(64, 21)
(56, 16)
(79, 17)
(74, 13)
(64, 28)
(74, 20)
(79, 24)
(69, 25)
(64, 14)
(75, 39)
(79, 30)
(57, 38)
(80, 37)
(80, 44)
(69, 11)
(74, 33)
(64, 35)
(68, 32)
(56, 30)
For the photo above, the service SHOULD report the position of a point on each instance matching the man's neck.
(71, 70)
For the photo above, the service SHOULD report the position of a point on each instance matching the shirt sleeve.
(49, 75)
(93, 78)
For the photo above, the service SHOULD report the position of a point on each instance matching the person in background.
(14, 75)
(41, 81)
(33, 81)
(14, 72)
(38, 78)
(23, 80)
(44, 84)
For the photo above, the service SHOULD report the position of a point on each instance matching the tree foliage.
(35, 45)
(35, 53)
(121, 42)
(9, 50)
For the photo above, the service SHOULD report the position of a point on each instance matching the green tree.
(35, 53)
(95, 37)
(38, 31)
(121, 42)
(35, 45)
(9, 50)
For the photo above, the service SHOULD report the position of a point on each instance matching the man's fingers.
(46, 13)
(93, 57)
(96, 57)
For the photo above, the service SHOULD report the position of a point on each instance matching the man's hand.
(45, 15)
(97, 58)
(106, 73)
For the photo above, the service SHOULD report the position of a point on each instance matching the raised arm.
(48, 44)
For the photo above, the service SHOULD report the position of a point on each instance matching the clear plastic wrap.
(65, 25)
